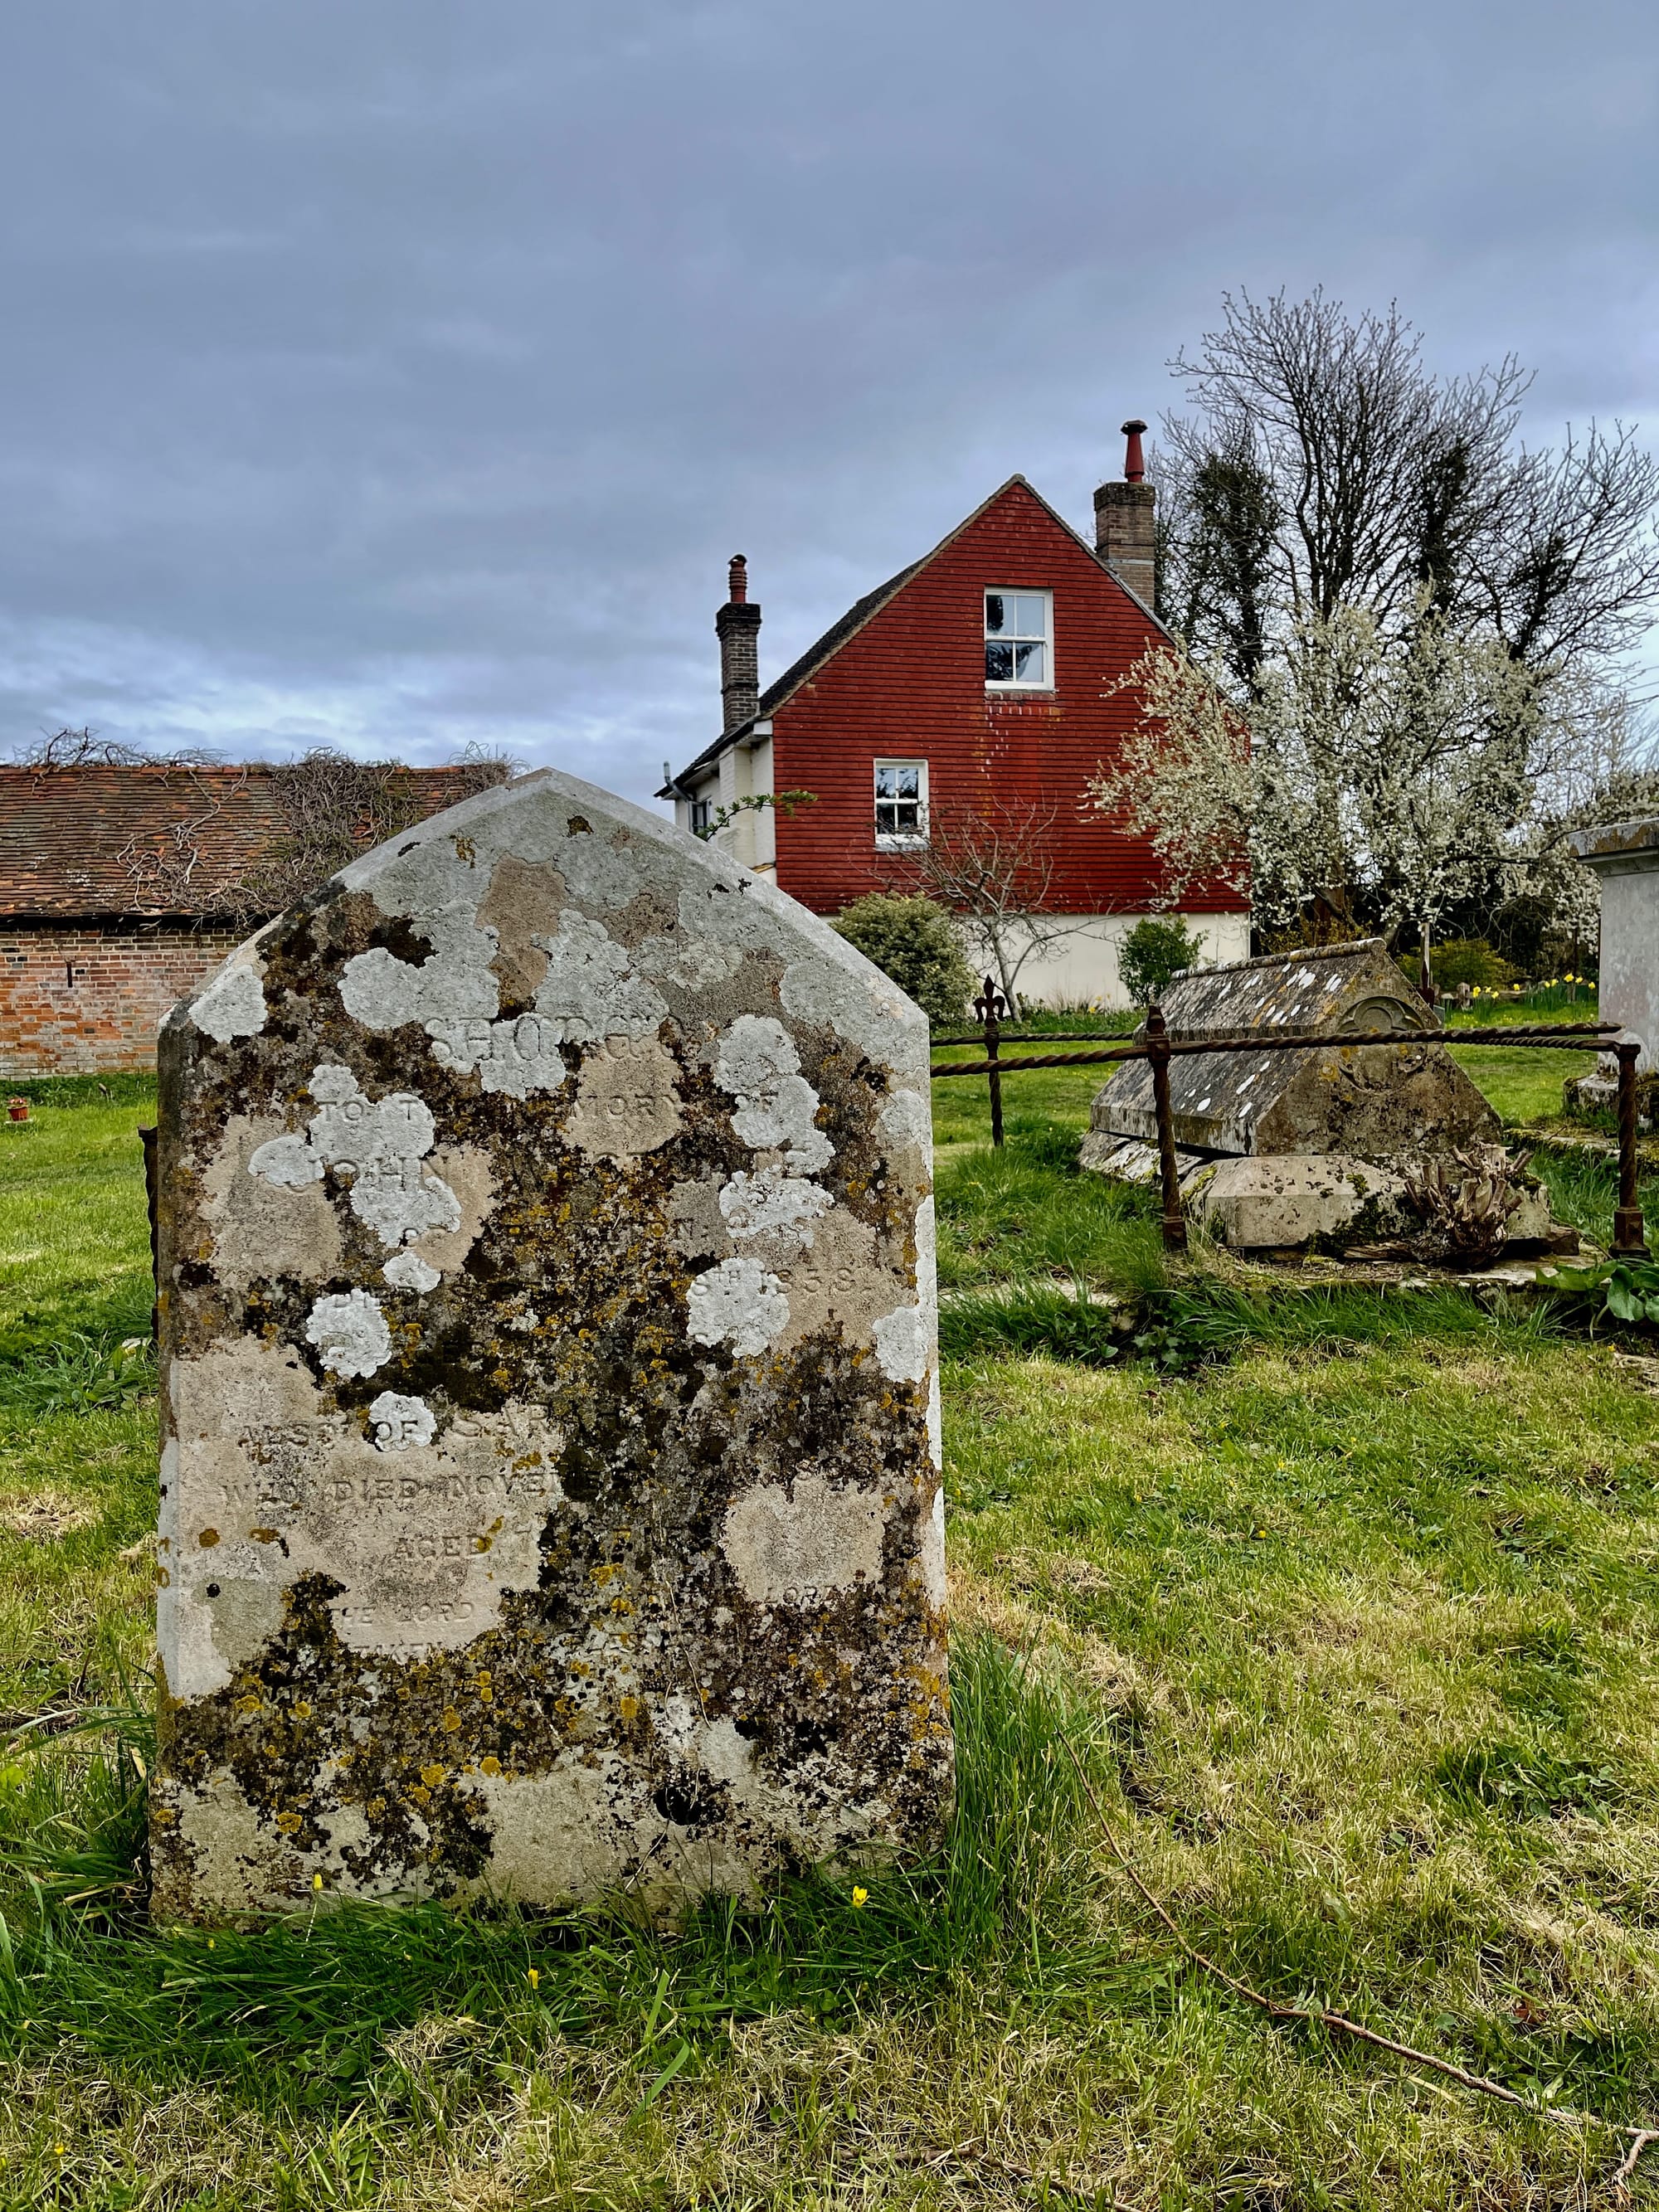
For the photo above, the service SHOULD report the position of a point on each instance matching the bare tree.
(1324, 466)
(84, 748)
(993, 864)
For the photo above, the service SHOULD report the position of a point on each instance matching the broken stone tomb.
(1278, 1149)
(550, 1495)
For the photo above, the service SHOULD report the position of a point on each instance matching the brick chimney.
(738, 628)
(1123, 522)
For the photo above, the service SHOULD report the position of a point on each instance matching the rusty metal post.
(146, 1139)
(1628, 1241)
(987, 1005)
(1157, 1052)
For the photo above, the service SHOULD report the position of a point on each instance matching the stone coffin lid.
(550, 1494)
(1375, 1103)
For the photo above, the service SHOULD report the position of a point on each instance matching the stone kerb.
(550, 1495)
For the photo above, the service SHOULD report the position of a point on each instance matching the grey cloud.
(406, 372)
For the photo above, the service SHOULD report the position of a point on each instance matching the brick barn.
(119, 890)
(983, 676)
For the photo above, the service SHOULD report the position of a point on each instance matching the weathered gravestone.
(1624, 856)
(1376, 1102)
(549, 1477)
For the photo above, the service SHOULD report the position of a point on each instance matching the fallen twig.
(1278, 2010)
(1626, 2166)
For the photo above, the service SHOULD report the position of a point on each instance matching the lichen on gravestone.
(550, 1496)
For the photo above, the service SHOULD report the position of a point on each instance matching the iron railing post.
(146, 1139)
(1157, 1052)
(987, 1005)
(1629, 1241)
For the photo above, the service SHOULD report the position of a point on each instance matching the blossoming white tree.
(1387, 770)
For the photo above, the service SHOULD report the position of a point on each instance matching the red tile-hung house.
(987, 675)
(120, 890)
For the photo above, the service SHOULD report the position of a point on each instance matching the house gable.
(841, 632)
(906, 681)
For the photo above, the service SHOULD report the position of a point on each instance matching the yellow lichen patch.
(490, 1764)
(432, 1776)
(288, 1822)
(451, 1721)
(208, 1539)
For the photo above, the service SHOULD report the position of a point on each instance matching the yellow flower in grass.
(533, 1978)
(861, 1896)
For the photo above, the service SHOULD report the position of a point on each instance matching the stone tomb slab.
(550, 1482)
(1373, 1102)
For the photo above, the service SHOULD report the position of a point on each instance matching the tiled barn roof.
(151, 841)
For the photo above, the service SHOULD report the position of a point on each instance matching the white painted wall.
(742, 771)
(1082, 966)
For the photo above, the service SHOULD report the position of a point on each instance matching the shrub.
(1465, 960)
(1152, 952)
(914, 941)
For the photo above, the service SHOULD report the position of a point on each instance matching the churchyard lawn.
(1342, 1616)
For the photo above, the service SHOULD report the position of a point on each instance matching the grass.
(74, 1238)
(1524, 1082)
(1349, 1619)
(1023, 1210)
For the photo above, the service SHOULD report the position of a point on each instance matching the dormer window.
(1019, 635)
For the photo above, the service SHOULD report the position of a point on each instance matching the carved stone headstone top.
(1373, 1102)
(550, 1476)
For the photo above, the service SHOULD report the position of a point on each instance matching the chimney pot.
(1134, 468)
(737, 580)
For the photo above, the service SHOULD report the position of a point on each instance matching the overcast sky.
(399, 372)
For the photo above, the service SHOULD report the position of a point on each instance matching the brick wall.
(82, 999)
